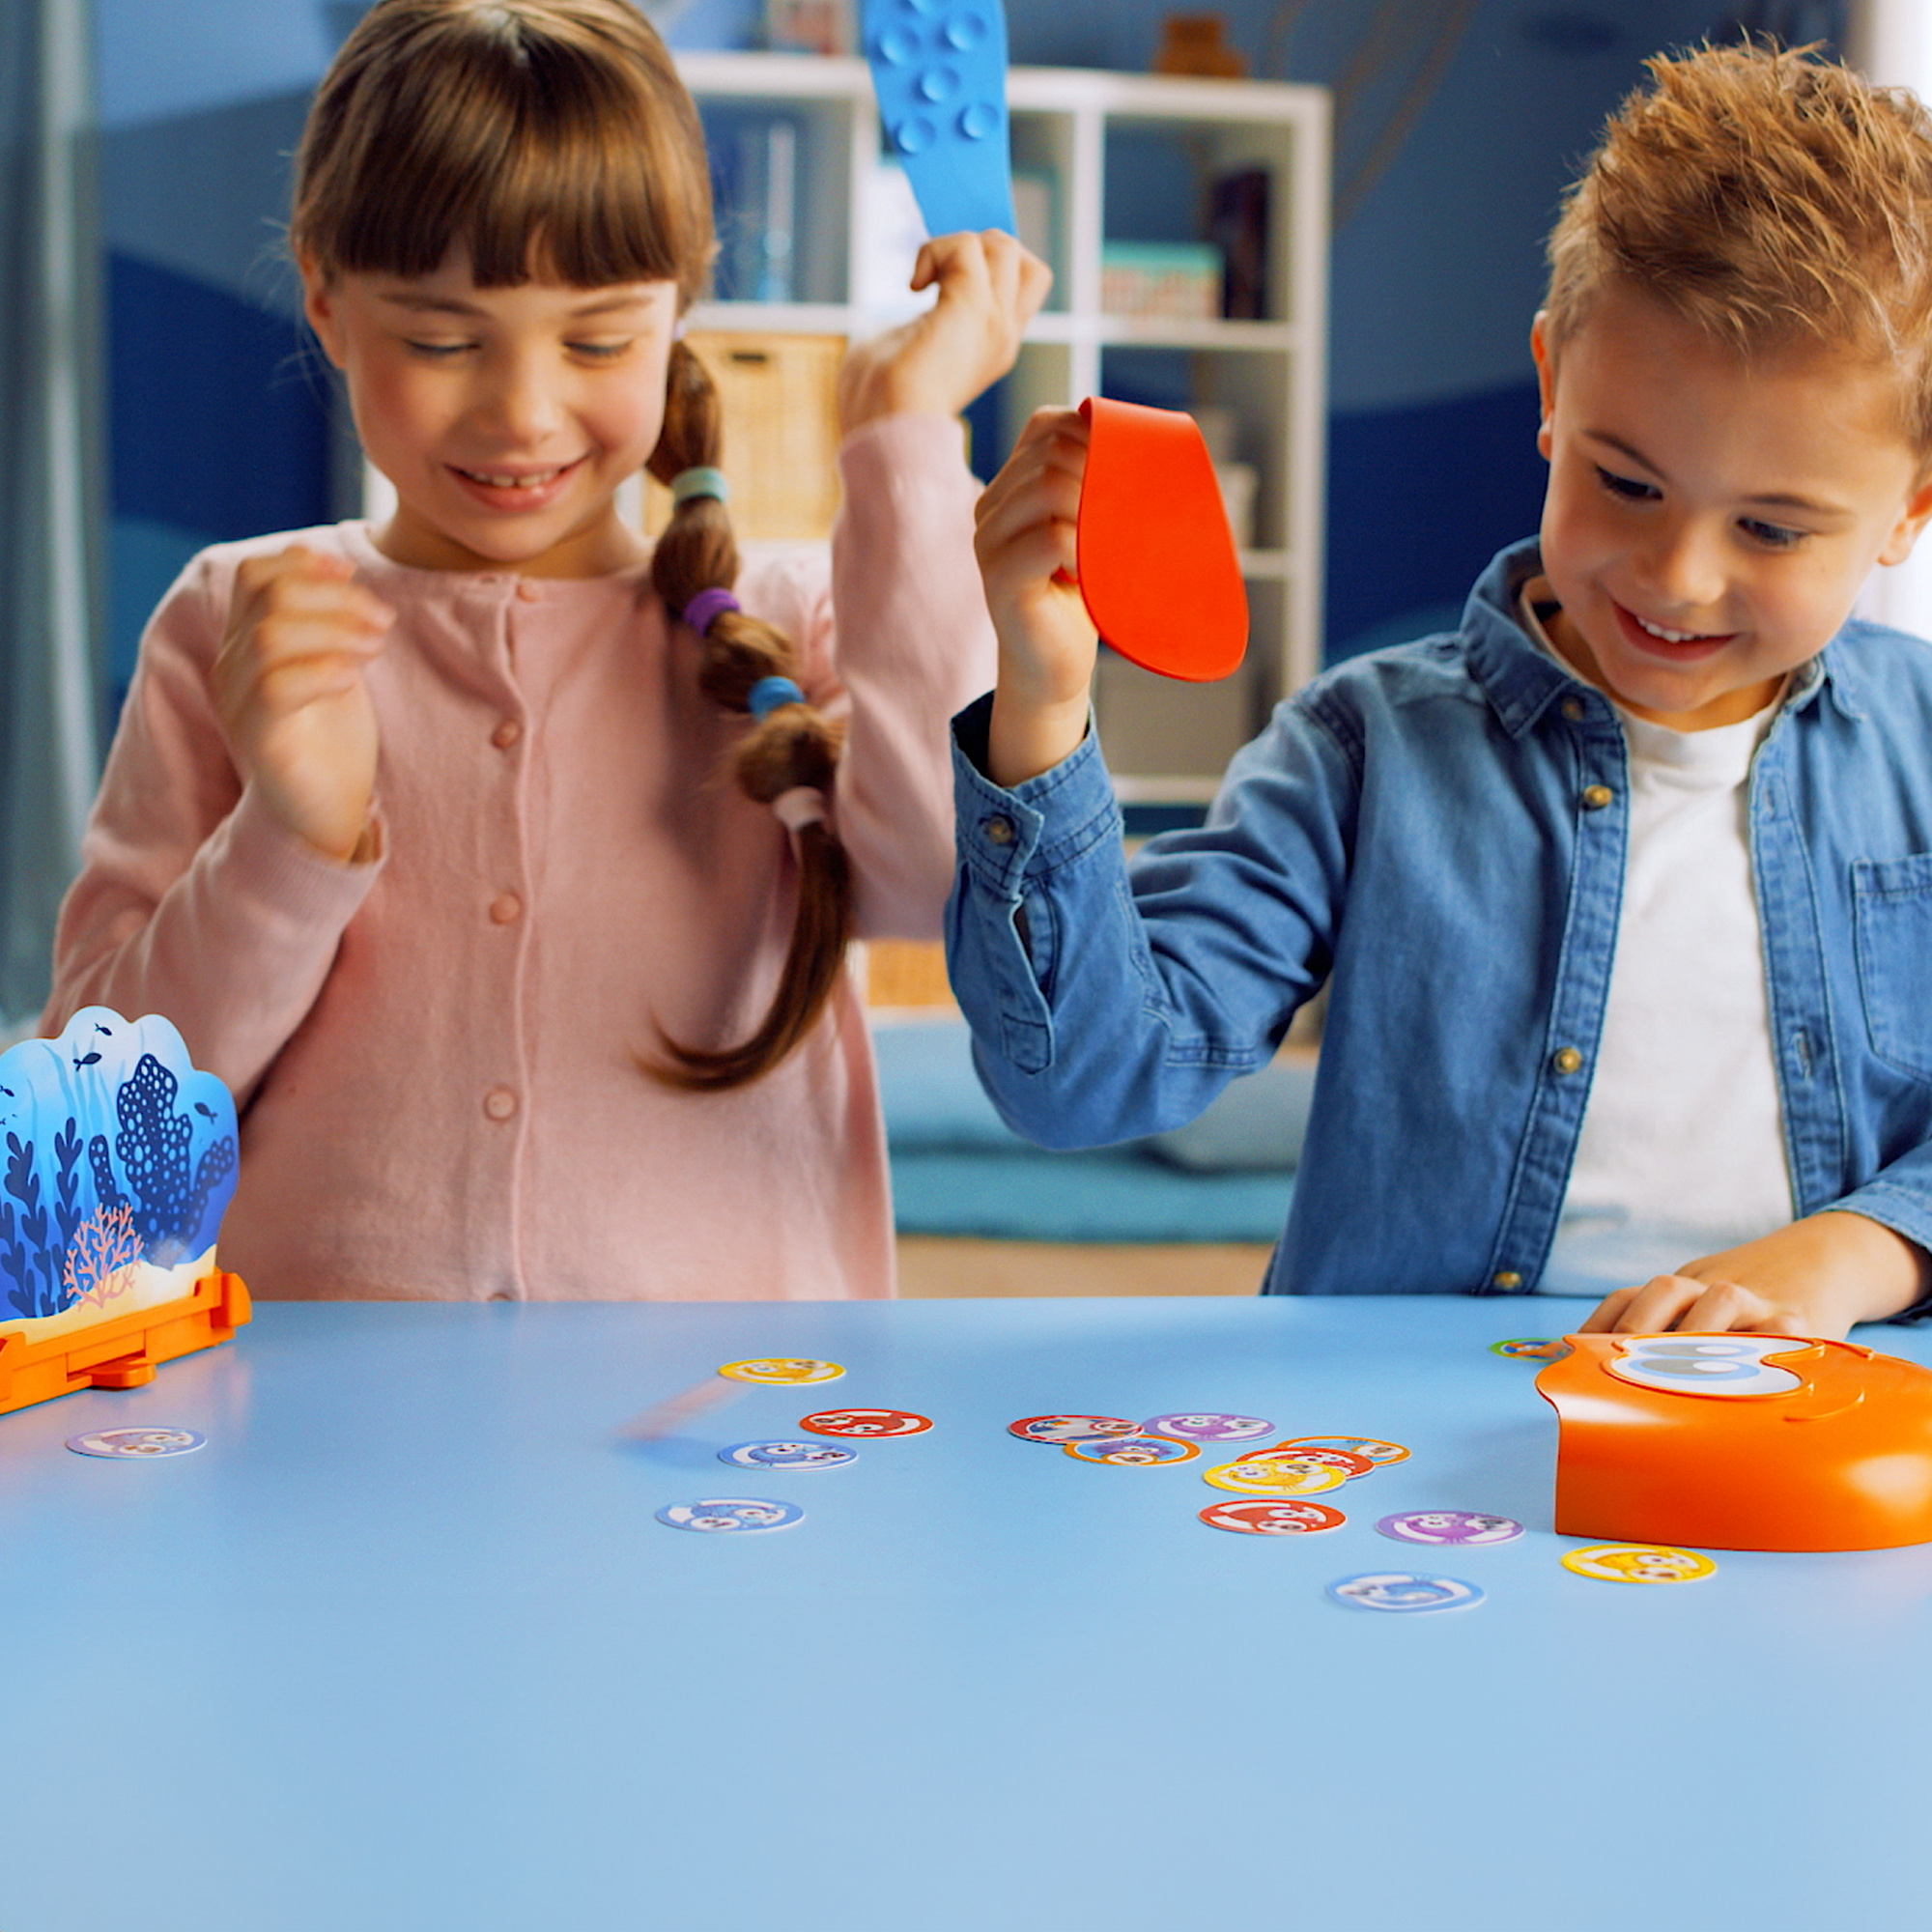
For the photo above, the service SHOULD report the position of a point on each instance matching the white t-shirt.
(1682, 1152)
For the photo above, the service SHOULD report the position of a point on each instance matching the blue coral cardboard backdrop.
(939, 69)
(113, 1145)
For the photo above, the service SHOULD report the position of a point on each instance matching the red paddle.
(1159, 573)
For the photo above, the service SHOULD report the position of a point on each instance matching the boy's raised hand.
(1815, 1277)
(990, 287)
(1028, 520)
(289, 688)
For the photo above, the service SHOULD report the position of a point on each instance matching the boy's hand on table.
(288, 682)
(1027, 525)
(1815, 1278)
(990, 287)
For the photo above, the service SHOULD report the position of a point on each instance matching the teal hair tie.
(701, 481)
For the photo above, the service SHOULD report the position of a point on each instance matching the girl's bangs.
(531, 175)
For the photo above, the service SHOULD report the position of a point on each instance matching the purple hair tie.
(704, 608)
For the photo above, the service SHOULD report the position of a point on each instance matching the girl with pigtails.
(502, 863)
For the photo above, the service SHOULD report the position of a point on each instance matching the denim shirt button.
(1566, 1059)
(1000, 830)
(1506, 1278)
(1596, 797)
(1573, 709)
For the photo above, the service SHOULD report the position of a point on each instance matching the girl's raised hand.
(289, 688)
(1025, 540)
(990, 287)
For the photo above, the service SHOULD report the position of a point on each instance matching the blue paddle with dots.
(1158, 569)
(939, 69)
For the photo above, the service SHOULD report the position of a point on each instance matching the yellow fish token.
(1638, 1563)
(782, 1370)
(1276, 1476)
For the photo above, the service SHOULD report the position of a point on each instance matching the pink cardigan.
(437, 1053)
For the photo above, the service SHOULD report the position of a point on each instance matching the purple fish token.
(1129, 1452)
(1272, 1519)
(1463, 1527)
(136, 1443)
(1072, 1428)
(1404, 1590)
(724, 1515)
(1209, 1428)
(788, 1456)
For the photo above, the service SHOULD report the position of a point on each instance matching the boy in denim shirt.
(1623, 891)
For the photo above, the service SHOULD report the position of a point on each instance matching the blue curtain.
(51, 502)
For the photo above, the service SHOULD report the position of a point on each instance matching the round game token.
(1350, 1466)
(1133, 1451)
(1543, 1347)
(782, 1370)
(1638, 1563)
(731, 1514)
(1072, 1428)
(788, 1456)
(1261, 1518)
(865, 1422)
(1463, 1527)
(136, 1442)
(1209, 1428)
(1405, 1590)
(1276, 1477)
(1371, 1446)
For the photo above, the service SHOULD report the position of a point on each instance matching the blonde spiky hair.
(1770, 199)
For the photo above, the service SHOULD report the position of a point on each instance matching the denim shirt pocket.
(1893, 922)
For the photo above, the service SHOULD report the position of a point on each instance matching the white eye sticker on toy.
(1707, 1364)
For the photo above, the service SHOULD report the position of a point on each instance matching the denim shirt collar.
(1521, 681)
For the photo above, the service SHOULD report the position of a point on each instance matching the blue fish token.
(728, 1513)
(136, 1443)
(1405, 1590)
(1201, 1427)
(788, 1456)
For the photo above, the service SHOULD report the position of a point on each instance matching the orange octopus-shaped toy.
(1741, 1443)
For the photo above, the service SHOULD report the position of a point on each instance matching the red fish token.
(1371, 1446)
(872, 1422)
(1272, 1519)
(1072, 1428)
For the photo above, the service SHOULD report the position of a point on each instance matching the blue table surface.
(404, 1646)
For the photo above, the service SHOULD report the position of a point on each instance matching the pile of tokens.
(1272, 1490)
(795, 1456)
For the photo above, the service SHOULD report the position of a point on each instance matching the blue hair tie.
(768, 694)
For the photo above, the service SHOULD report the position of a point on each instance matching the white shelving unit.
(1270, 373)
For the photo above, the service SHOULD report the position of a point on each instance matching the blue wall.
(220, 427)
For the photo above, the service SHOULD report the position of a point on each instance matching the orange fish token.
(1278, 1476)
(779, 1370)
(1638, 1563)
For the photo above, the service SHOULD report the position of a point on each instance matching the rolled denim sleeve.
(1898, 1197)
(1105, 1002)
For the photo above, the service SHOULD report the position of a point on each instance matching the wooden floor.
(932, 1266)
